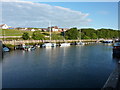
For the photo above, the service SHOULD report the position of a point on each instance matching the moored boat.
(116, 49)
(49, 45)
(108, 41)
(6, 49)
(64, 44)
(80, 43)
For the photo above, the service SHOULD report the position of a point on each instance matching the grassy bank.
(12, 32)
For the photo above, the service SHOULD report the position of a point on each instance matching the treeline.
(100, 33)
(89, 33)
(74, 33)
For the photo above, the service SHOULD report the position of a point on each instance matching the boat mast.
(50, 30)
(64, 35)
(80, 36)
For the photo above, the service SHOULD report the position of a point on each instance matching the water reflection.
(116, 57)
(74, 66)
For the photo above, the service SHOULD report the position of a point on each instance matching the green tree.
(94, 36)
(73, 33)
(86, 37)
(25, 36)
(37, 35)
(56, 37)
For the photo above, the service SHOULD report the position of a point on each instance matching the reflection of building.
(4, 26)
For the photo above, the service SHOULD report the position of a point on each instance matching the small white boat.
(64, 44)
(80, 43)
(49, 45)
(108, 41)
(5, 49)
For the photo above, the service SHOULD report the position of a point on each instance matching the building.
(63, 29)
(56, 29)
(33, 30)
(53, 28)
(4, 26)
(44, 29)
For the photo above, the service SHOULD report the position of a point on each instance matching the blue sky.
(63, 14)
(103, 14)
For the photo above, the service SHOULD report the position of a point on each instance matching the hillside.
(11, 32)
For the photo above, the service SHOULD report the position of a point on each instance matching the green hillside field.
(12, 32)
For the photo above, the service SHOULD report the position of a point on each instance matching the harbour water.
(86, 66)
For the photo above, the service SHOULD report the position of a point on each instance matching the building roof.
(56, 27)
(2, 25)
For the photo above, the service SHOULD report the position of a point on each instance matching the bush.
(37, 35)
(25, 36)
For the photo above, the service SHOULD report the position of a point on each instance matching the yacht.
(49, 44)
(80, 42)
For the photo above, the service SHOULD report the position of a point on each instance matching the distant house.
(53, 28)
(33, 30)
(4, 26)
(44, 29)
(63, 29)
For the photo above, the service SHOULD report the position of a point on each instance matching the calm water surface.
(62, 67)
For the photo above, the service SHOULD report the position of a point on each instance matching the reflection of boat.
(116, 49)
(5, 49)
(64, 44)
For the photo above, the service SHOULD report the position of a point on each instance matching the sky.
(31, 13)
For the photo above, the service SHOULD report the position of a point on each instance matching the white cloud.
(29, 14)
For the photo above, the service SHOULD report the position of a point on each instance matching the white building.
(4, 26)
(32, 30)
(53, 28)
